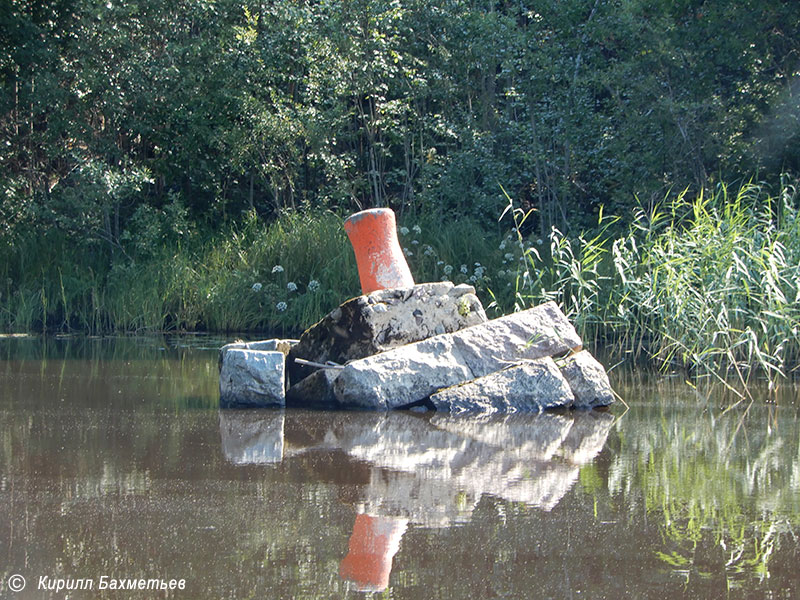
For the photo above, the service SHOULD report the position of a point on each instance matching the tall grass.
(281, 276)
(711, 283)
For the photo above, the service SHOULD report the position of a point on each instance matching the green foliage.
(427, 107)
(254, 277)
(708, 283)
(705, 282)
(177, 151)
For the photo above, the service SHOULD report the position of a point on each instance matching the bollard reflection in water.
(430, 470)
(373, 544)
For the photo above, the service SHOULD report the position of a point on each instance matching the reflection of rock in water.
(252, 437)
(431, 469)
(539, 436)
(587, 436)
(436, 470)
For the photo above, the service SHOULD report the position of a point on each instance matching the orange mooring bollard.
(373, 544)
(381, 264)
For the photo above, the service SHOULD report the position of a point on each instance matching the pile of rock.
(429, 346)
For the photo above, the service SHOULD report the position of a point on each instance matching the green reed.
(710, 283)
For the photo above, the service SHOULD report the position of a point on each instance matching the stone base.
(430, 346)
(411, 373)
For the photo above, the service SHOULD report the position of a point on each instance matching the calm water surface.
(115, 461)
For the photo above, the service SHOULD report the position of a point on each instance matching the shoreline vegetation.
(186, 165)
(709, 283)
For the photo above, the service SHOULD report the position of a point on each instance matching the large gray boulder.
(385, 319)
(588, 380)
(409, 374)
(531, 386)
(252, 378)
(402, 376)
(534, 333)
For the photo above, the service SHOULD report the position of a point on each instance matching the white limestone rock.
(528, 334)
(252, 378)
(531, 386)
(588, 380)
(401, 376)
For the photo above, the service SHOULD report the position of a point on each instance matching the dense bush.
(240, 105)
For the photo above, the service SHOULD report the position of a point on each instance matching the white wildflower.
(479, 271)
(508, 256)
(417, 229)
(257, 287)
(404, 231)
(415, 242)
(473, 279)
(448, 269)
(503, 245)
(277, 269)
(407, 252)
(439, 263)
(291, 286)
(281, 306)
(428, 251)
(464, 269)
(313, 285)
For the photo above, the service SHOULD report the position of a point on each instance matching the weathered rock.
(531, 386)
(410, 373)
(533, 333)
(273, 345)
(252, 378)
(588, 380)
(252, 438)
(385, 319)
(401, 376)
(315, 391)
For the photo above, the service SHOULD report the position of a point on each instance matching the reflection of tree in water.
(724, 486)
(429, 470)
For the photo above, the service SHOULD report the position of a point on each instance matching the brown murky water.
(117, 465)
